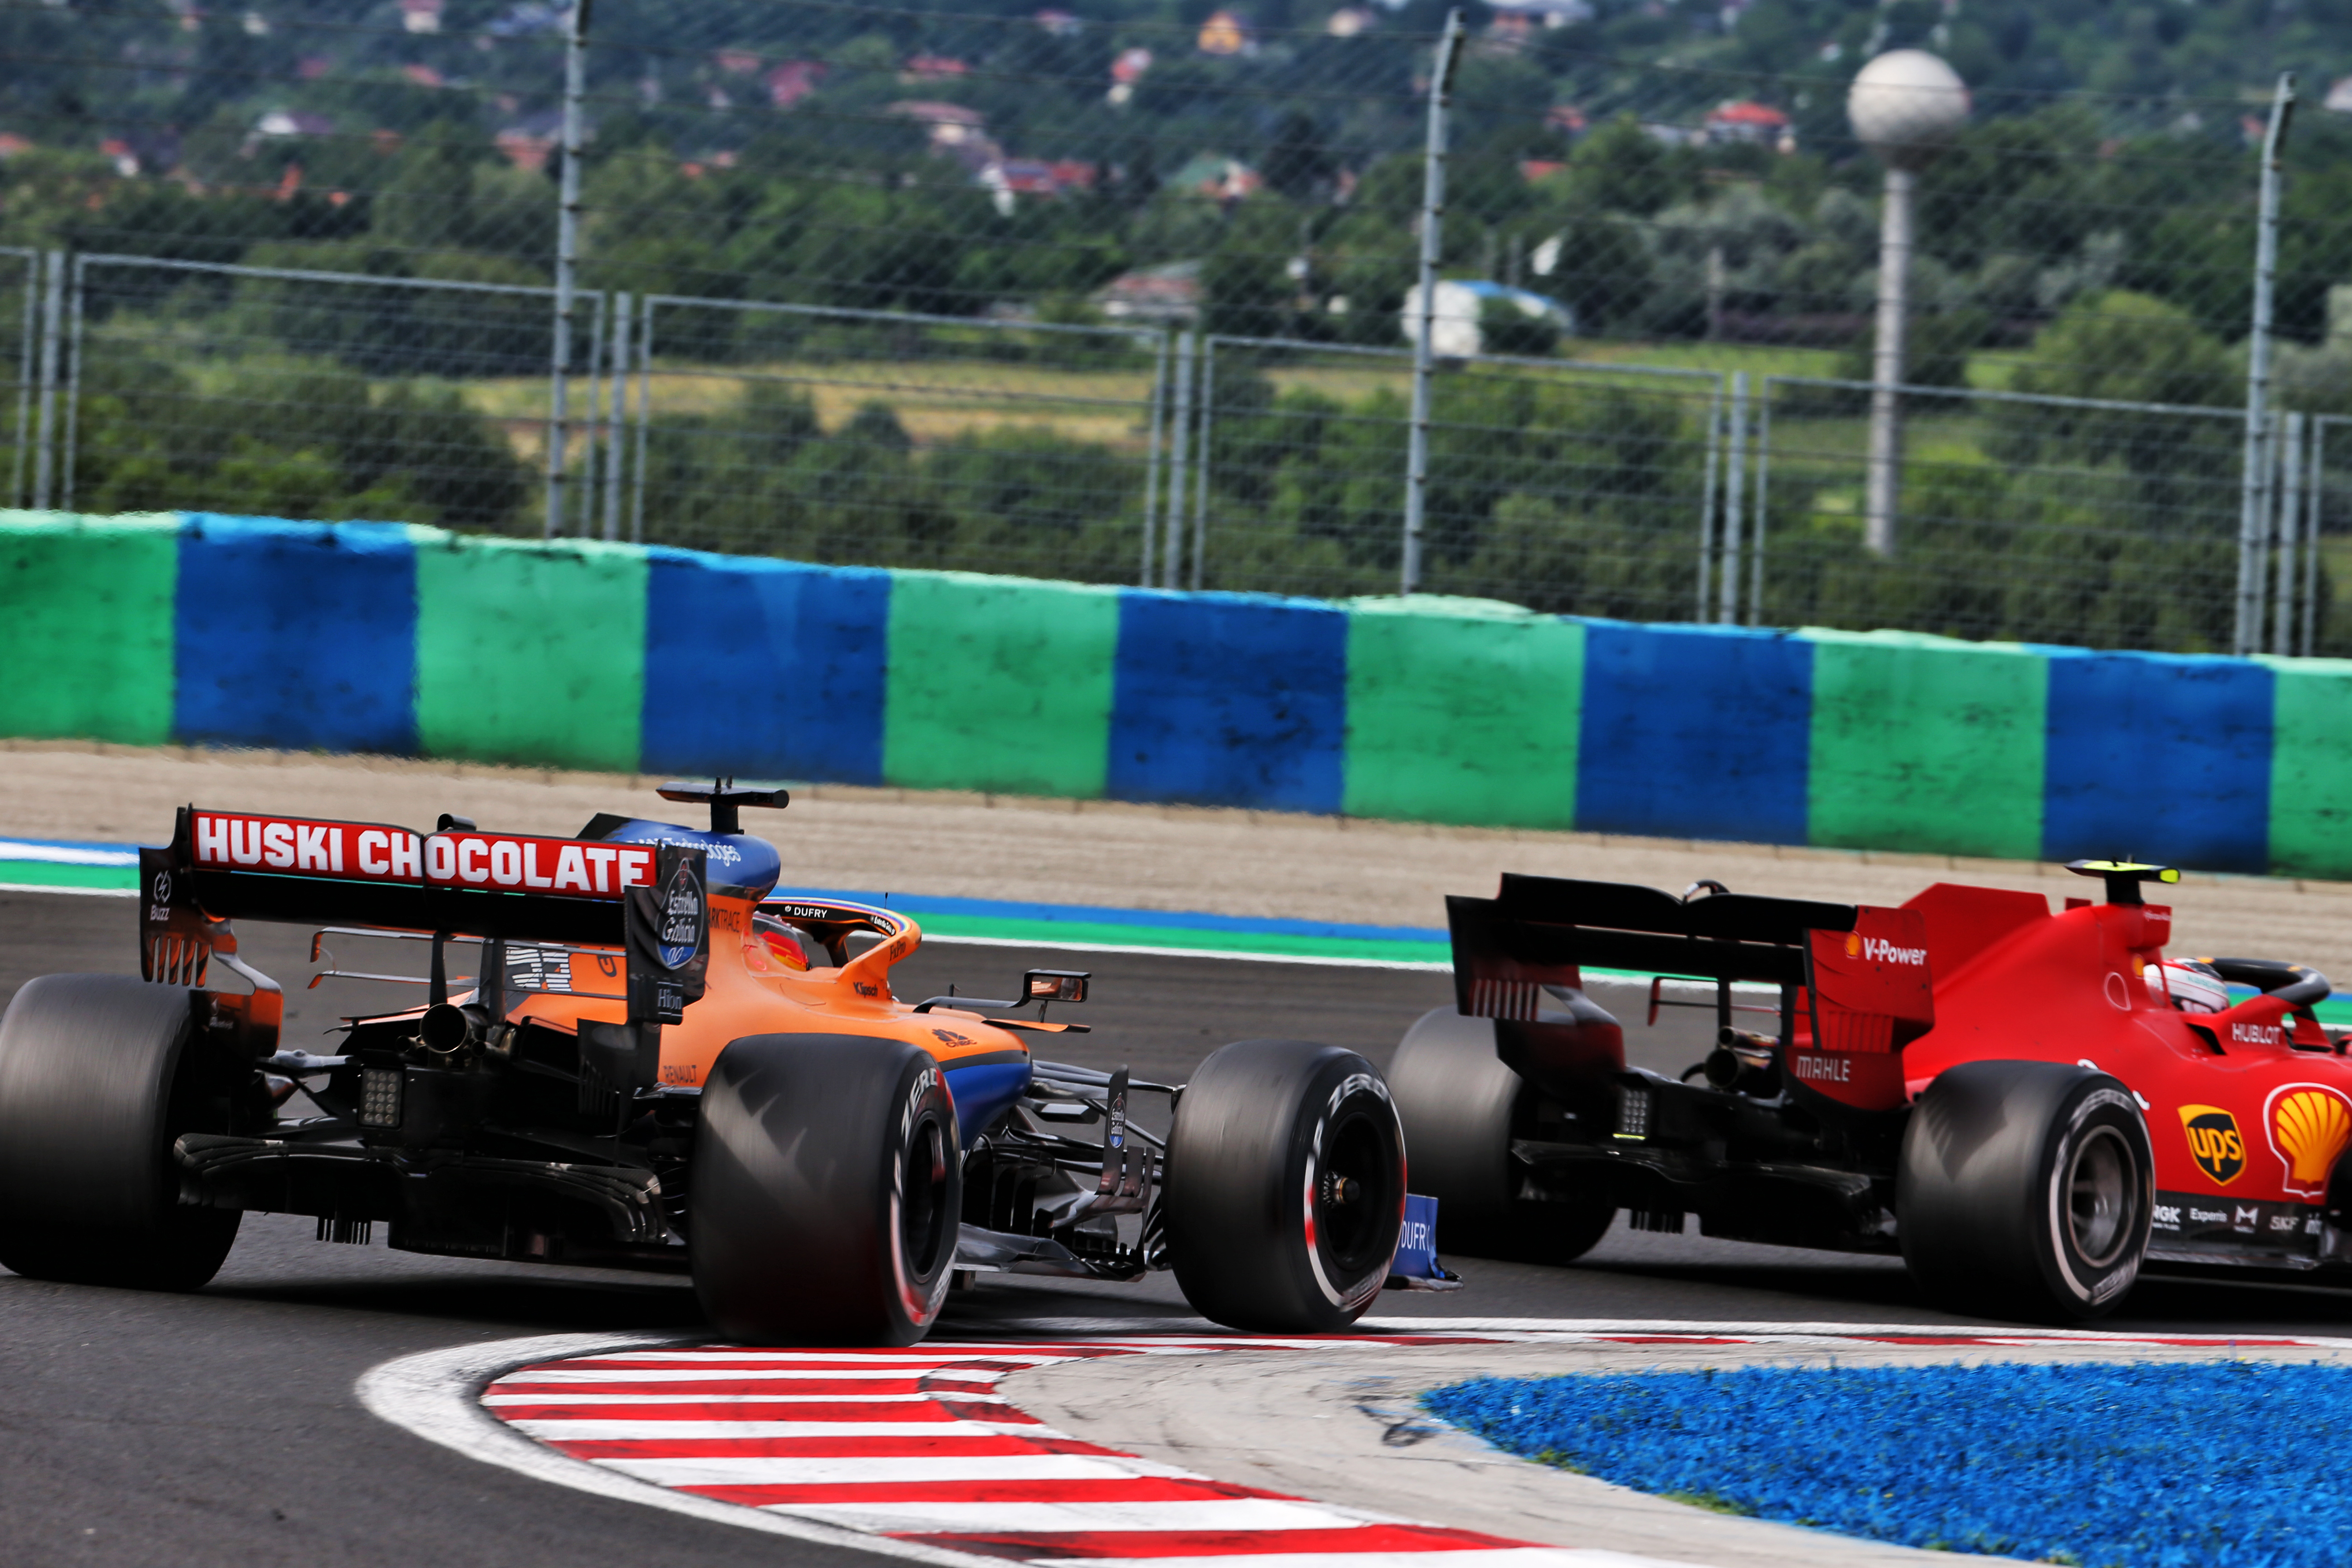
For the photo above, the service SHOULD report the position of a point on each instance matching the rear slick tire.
(1286, 1184)
(2025, 1190)
(1460, 1106)
(822, 1198)
(99, 1074)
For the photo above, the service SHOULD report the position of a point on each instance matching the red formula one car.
(657, 1063)
(2027, 1105)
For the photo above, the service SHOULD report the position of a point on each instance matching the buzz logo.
(1883, 952)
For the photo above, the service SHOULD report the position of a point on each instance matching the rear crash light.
(1633, 1113)
(380, 1097)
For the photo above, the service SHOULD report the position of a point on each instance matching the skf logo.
(2214, 1142)
(1887, 953)
(2309, 1125)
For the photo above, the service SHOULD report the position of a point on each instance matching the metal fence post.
(2265, 459)
(2252, 522)
(78, 294)
(1763, 460)
(2314, 510)
(1180, 446)
(615, 427)
(644, 417)
(1151, 463)
(592, 428)
(52, 324)
(1734, 477)
(567, 261)
(2290, 521)
(1432, 213)
(1707, 498)
(27, 362)
(1207, 397)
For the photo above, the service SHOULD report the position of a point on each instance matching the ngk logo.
(1887, 953)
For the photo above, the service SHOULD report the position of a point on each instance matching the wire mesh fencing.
(1121, 292)
(2022, 517)
(895, 438)
(293, 392)
(1565, 487)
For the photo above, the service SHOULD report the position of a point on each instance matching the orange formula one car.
(659, 1066)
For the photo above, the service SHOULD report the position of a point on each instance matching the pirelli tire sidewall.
(99, 1074)
(1262, 1131)
(824, 1191)
(2000, 1163)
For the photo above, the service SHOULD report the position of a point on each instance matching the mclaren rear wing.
(456, 882)
(1860, 973)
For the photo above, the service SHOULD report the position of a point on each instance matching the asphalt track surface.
(223, 1426)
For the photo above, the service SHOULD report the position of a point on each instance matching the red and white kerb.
(500, 862)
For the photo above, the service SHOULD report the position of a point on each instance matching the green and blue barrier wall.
(204, 629)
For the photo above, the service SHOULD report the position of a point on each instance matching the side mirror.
(1055, 986)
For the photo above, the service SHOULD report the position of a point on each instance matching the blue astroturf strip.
(2185, 1464)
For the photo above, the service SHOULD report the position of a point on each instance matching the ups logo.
(2214, 1142)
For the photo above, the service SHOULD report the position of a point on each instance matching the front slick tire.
(824, 1191)
(99, 1074)
(2025, 1191)
(1286, 1187)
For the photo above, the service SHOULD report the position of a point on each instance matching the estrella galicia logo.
(683, 911)
(2214, 1142)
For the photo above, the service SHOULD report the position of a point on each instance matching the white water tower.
(1906, 106)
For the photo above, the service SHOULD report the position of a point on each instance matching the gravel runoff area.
(2108, 1464)
(1095, 852)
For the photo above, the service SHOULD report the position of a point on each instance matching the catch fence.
(1516, 307)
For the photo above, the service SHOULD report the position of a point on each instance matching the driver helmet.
(2187, 986)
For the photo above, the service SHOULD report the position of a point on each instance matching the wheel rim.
(2101, 1197)
(922, 1208)
(1354, 1193)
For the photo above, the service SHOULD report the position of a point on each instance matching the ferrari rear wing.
(1864, 969)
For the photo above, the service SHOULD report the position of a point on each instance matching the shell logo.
(1854, 944)
(2310, 1126)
